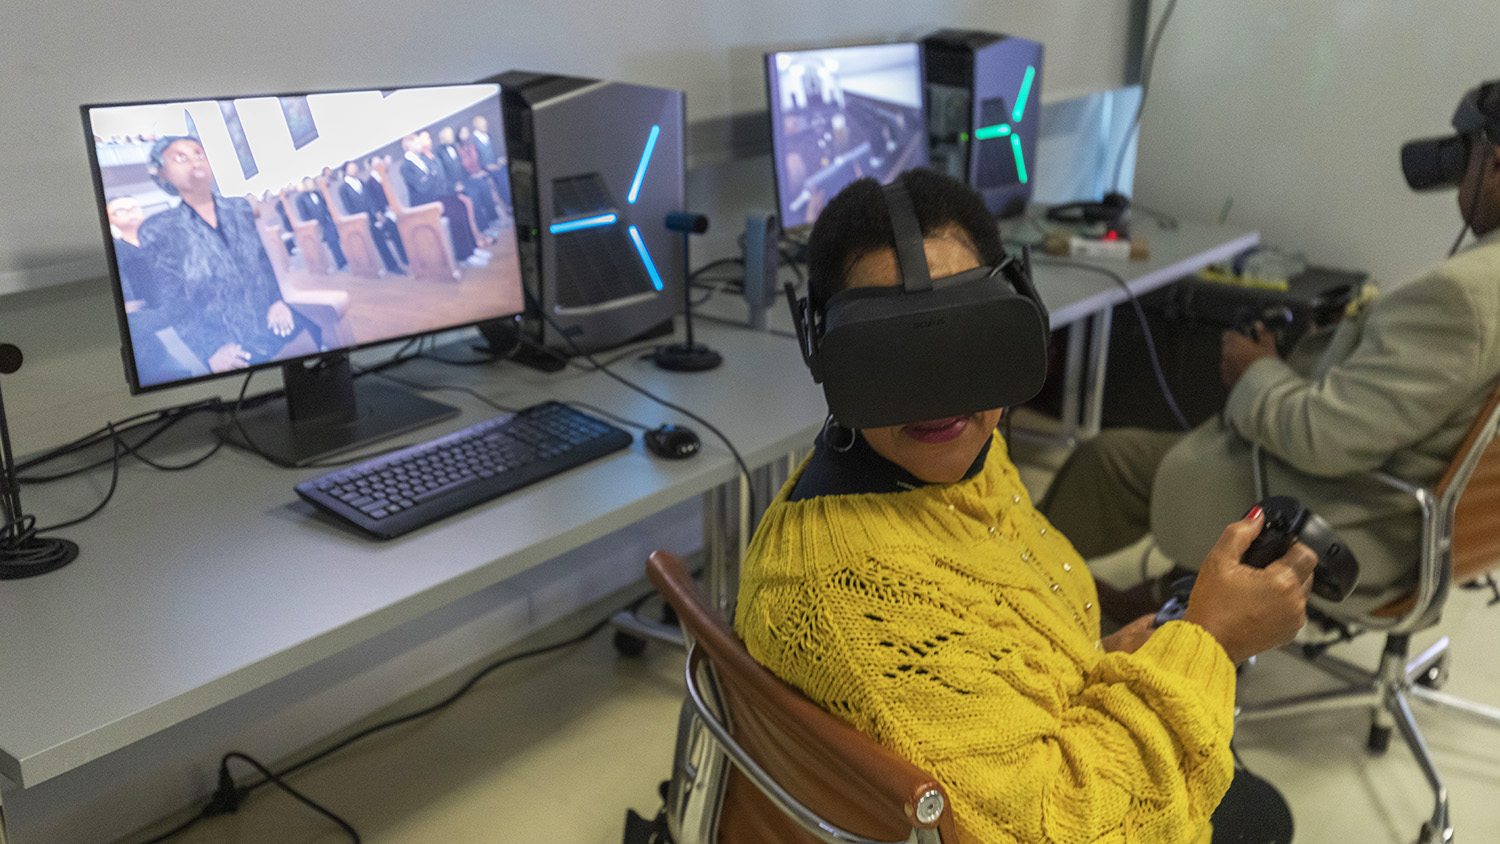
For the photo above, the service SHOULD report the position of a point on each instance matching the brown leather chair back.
(839, 773)
(1476, 520)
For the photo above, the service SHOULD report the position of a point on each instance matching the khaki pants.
(1101, 497)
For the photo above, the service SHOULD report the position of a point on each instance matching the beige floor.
(555, 750)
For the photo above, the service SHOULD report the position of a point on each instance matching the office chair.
(1460, 542)
(798, 773)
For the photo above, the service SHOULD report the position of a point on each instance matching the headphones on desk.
(927, 348)
(1109, 210)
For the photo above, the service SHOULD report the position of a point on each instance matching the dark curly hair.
(856, 223)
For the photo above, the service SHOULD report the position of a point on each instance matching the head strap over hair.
(911, 253)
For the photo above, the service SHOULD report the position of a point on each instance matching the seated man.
(1396, 388)
(903, 581)
(359, 198)
(314, 208)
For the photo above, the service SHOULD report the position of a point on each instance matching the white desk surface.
(1072, 294)
(196, 587)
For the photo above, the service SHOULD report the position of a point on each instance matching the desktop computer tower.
(595, 168)
(983, 107)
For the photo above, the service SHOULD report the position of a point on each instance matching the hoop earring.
(839, 438)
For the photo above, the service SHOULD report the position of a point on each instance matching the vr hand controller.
(1286, 522)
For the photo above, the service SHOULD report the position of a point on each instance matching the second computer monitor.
(840, 114)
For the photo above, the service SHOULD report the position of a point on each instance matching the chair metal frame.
(711, 747)
(1388, 689)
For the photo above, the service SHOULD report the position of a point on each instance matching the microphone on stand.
(22, 552)
(687, 356)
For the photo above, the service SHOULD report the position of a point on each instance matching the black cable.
(614, 417)
(1148, 60)
(1473, 209)
(229, 795)
(744, 470)
(711, 264)
(1140, 314)
(620, 354)
(114, 482)
(304, 799)
(166, 415)
(455, 388)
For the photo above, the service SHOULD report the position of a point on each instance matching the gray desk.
(1079, 300)
(195, 588)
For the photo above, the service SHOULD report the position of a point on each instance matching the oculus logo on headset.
(881, 359)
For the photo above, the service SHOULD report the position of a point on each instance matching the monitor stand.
(325, 413)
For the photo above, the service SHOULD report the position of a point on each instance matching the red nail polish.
(1253, 514)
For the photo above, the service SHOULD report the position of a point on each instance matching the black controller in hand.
(1286, 522)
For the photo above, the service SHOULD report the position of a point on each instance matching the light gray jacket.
(1395, 390)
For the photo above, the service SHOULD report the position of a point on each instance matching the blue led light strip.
(1020, 109)
(640, 169)
(645, 257)
(583, 223)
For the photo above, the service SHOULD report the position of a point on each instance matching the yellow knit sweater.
(956, 628)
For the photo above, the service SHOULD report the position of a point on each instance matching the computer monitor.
(839, 114)
(288, 230)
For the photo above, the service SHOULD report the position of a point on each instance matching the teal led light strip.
(640, 247)
(640, 169)
(582, 223)
(999, 130)
(1015, 147)
(1025, 94)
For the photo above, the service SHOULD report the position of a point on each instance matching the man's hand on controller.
(1237, 351)
(1250, 610)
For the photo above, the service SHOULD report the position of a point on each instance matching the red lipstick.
(937, 430)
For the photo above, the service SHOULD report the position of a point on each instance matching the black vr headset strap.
(807, 331)
(911, 253)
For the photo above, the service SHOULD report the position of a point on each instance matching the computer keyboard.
(404, 490)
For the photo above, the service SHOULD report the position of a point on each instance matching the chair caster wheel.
(1428, 835)
(1379, 740)
(628, 644)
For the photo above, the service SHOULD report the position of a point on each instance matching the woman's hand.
(1130, 637)
(1249, 610)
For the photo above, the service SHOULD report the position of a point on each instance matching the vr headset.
(926, 349)
(1438, 163)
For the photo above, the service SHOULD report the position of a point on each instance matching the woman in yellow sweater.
(904, 581)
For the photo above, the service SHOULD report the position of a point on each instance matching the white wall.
(1297, 111)
(55, 57)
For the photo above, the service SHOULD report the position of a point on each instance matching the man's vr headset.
(1437, 163)
(926, 349)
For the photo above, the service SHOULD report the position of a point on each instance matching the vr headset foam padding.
(925, 349)
(1438, 163)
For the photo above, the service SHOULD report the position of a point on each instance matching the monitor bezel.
(127, 347)
(772, 109)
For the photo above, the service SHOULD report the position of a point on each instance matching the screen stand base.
(325, 414)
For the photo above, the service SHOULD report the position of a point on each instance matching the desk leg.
(1072, 391)
(1092, 416)
(721, 517)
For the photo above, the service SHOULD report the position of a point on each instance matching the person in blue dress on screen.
(216, 283)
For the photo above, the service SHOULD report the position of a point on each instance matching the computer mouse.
(673, 442)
